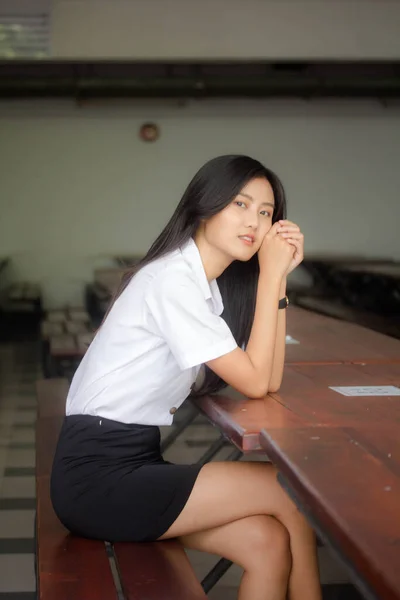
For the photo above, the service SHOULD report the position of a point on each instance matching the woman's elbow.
(256, 391)
(273, 388)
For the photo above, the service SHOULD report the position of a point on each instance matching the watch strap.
(283, 302)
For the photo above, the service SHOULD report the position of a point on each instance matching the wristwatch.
(284, 302)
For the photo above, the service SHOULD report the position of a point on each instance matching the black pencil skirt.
(110, 482)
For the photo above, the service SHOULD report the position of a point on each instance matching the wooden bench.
(65, 335)
(21, 310)
(347, 483)
(99, 293)
(69, 567)
(22, 297)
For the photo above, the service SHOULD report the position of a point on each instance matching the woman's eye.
(265, 213)
(239, 203)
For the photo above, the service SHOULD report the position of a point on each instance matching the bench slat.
(51, 394)
(174, 579)
(47, 432)
(72, 567)
(68, 567)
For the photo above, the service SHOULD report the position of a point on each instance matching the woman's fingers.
(298, 244)
(288, 228)
(286, 223)
(292, 234)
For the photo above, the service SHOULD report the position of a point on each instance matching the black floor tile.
(19, 471)
(340, 591)
(21, 445)
(18, 596)
(17, 545)
(17, 503)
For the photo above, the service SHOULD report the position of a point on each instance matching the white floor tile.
(15, 401)
(200, 432)
(3, 454)
(12, 416)
(18, 487)
(222, 592)
(20, 458)
(23, 435)
(179, 453)
(17, 573)
(17, 523)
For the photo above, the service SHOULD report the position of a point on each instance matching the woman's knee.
(266, 541)
(286, 510)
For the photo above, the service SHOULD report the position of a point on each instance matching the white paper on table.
(367, 390)
(290, 340)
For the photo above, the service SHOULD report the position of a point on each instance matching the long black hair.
(213, 187)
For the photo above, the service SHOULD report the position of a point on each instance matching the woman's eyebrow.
(252, 200)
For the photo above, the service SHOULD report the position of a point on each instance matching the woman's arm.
(280, 346)
(291, 232)
(250, 371)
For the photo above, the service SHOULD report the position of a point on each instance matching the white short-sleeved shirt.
(146, 356)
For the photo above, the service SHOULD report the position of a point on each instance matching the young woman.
(210, 291)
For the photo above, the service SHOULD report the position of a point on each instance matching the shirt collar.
(191, 255)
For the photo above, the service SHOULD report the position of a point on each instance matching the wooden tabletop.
(347, 481)
(241, 419)
(306, 392)
(328, 340)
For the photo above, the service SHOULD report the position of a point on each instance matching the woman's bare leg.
(260, 545)
(226, 492)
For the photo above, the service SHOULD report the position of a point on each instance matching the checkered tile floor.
(19, 369)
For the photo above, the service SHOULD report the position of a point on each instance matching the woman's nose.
(251, 219)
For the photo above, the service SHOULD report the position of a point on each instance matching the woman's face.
(239, 229)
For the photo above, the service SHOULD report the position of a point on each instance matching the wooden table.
(389, 269)
(305, 397)
(342, 466)
(241, 419)
(347, 482)
(338, 457)
(327, 340)
(323, 266)
(306, 393)
(374, 287)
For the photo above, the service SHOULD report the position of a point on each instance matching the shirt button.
(172, 410)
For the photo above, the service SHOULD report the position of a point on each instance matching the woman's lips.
(246, 240)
